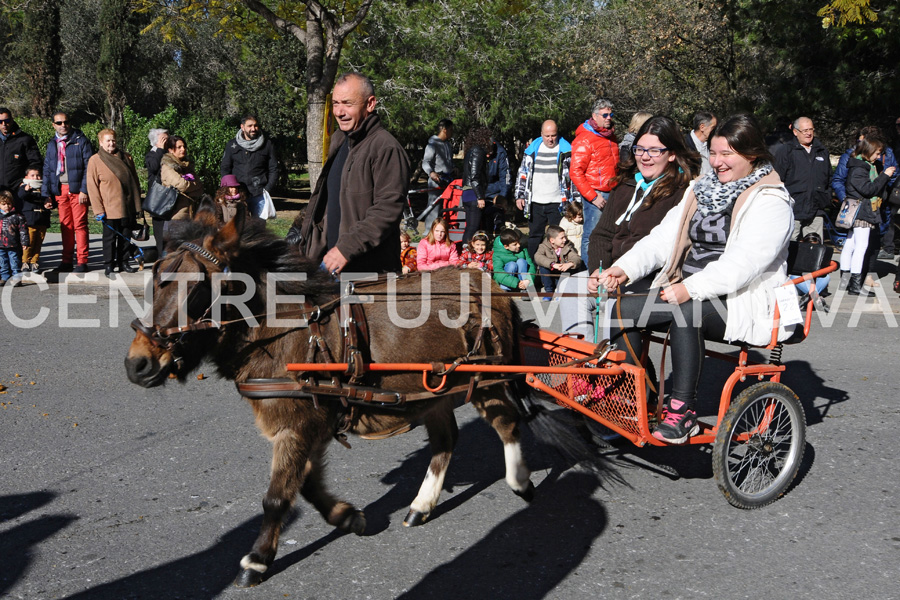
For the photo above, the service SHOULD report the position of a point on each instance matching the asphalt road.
(111, 491)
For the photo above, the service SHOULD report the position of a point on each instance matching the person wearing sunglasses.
(65, 180)
(18, 153)
(595, 153)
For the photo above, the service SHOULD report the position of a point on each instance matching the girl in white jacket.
(718, 257)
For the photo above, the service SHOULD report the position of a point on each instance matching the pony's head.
(203, 263)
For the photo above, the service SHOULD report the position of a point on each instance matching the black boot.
(124, 267)
(845, 279)
(854, 287)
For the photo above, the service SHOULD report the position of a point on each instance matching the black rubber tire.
(756, 472)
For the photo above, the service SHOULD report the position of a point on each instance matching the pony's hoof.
(415, 518)
(527, 494)
(248, 578)
(354, 523)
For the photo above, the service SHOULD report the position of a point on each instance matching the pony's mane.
(260, 251)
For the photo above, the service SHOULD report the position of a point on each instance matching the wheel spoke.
(756, 464)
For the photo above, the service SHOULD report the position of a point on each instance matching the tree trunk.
(316, 91)
(315, 116)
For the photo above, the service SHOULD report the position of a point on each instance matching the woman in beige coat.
(115, 195)
(177, 171)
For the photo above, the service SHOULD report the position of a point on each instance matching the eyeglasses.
(651, 152)
(608, 115)
(806, 131)
(6, 120)
(66, 122)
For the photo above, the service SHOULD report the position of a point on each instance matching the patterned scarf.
(61, 154)
(714, 197)
(602, 131)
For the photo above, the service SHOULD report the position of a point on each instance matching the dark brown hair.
(479, 136)
(867, 146)
(678, 173)
(743, 134)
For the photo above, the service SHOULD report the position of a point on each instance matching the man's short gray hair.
(796, 123)
(601, 104)
(368, 88)
(702, 117)
(154, 134)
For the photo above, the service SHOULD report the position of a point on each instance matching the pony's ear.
(228, 239)
(206, 212)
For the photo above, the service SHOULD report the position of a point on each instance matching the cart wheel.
(759, 445)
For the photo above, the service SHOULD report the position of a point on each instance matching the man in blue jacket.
(498, 175)
(543, 185)
(65, 180)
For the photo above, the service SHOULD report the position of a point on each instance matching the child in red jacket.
(476, 255)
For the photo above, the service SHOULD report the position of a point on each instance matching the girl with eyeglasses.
(652, 179)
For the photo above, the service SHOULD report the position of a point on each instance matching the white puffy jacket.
(753, 265)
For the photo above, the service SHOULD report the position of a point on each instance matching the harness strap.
(263, 389)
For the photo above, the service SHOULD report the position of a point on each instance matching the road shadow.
(816, 397)
(19, 544)
(16, 505)
(477, 464)
(527, 555)
(199, 576)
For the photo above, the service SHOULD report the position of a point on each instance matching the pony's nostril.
(139, 366)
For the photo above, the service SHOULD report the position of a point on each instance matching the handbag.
(141, 233)
(160, 201)
(267, 210)
(894, 198)
(847, 213)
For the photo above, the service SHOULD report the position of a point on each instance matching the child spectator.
(513, 268)
(36, 211)
(13, 237)
(229, 196)
(436, 250)
(556, 255)
(476, 254)
(573, 223)
(407, 254)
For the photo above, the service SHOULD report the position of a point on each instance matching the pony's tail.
(558, 429)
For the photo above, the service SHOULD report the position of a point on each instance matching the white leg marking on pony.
(246, 563)
(429, 492)
(517, 473)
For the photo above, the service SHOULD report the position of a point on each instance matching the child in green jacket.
(513, 268)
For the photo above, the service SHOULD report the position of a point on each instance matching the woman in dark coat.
(646, 188)
(152, 160)
(865, 184)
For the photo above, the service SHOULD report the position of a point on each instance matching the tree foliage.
(508, 65)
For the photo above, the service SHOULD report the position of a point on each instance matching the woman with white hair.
(153, 160)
